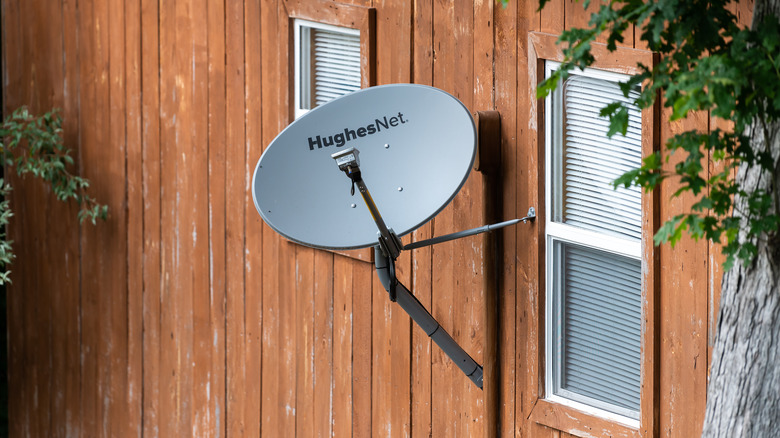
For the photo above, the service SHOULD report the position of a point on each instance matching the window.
(332, 51)
(594, 251)
(327, 63)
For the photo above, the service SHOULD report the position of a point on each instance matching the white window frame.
(301, 75)
(555, 231)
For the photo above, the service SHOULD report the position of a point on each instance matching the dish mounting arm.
(385, 253)
(385, 270)
(388, 250)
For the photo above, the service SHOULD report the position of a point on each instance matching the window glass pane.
(329, 60)
(597, 318)
(586, 161)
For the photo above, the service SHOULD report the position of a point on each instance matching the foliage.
(706, 62)
(34, 145)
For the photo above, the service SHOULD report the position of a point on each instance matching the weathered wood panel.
(507, 47)
(184, 315)
(218, 217)
(252, 245)
(152, 231)
(421, 278)
(135, 214)
(683, 335)
(237, 375)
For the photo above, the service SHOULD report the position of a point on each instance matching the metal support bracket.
(530, 216)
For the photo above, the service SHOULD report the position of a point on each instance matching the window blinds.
(600, 325)
(335, 64)
(591, 160)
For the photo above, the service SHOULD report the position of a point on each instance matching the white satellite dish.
(413, 145)
(417, 146)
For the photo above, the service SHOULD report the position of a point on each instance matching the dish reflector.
(417, 146)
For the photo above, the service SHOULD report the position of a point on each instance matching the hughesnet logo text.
(342, 137)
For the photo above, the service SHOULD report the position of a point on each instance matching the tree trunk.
(743, 396)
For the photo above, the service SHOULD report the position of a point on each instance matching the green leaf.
(670, 231)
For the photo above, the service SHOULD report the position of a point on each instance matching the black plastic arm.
(423, 318)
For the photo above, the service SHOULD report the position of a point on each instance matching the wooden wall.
(184, 315)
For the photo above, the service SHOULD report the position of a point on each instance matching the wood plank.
(684, 316)
(421, 343)
(392, 326)
(342, 347)
(217, 215)
(152, 211)
(135, 213)
(43, 76)
(278, 405)
(381, 362)
(576, 16)
(400, 326)
(362, 297)
(323, 343)
(484, 311)
(445, 259)
(55, 303)
(69, 307)
(271, 360)
(552, 17)
(508, 63)
(116, 277)
(253, 234)
(303, 359)
(394, 29)
(170, 373)
(18, 394)
(198, 221)
(422, 73)
(651, 324)
(36, 309)
(465, 293)
(287, 402)
(183, 226)
(97, 244)
(235, 166)
(270, 28)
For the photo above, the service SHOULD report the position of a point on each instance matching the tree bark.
(743, 396)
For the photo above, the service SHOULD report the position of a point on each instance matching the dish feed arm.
(423, 318)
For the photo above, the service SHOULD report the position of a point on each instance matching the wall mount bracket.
(388, 249)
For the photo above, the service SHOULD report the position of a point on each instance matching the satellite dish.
(417, 145)
(413, 145)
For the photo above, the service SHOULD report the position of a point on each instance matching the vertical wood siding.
(185, 315)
